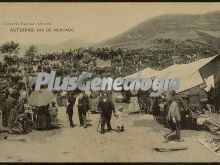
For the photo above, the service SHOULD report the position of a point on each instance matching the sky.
(91, 21)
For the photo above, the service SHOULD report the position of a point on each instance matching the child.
(53, 110)
(119, 119)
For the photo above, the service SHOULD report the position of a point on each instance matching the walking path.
(142, 133)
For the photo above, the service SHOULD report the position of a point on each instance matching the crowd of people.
(105, 105)
(159, 56)
(13, 112)
(18, 75)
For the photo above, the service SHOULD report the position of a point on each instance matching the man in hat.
(69, 110)
(71, 100)
(83, 108)
(106, 107)
(173, 116)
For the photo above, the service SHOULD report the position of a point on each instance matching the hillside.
(201, 32)
(204, 27)
(67, 45)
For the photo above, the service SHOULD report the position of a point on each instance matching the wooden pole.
(25, 82)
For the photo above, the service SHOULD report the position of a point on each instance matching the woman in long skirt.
(13, 116)
(43, 118)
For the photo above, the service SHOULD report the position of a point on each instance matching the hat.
(120, 108)
(173, 92)
(105, 95)
(53, 102)
(13, 92)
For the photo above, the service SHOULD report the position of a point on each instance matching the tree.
(31, 51)
(10, 47)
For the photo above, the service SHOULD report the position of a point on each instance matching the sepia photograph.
(110, 82)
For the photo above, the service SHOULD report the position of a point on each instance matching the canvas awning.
(147, 72)
(190, 81)
(183, 70)
(188, 73)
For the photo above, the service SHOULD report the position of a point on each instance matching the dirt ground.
(142, 134)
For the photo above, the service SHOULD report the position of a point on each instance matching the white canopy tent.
(188, 73)
(183, 70)
(147, 72)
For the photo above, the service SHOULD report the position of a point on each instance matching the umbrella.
(41, 98)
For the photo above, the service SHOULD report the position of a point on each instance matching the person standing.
(53, 111)
(69, 111)
(106, 107)
(7, 108)
(71, 101)
(43, 118)
(173, 116)
(133, 104)
(119, 119)
(2, 102)
(83, 108)
(211, 98)
(21, 103)
(64, 93)
(13, 115)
